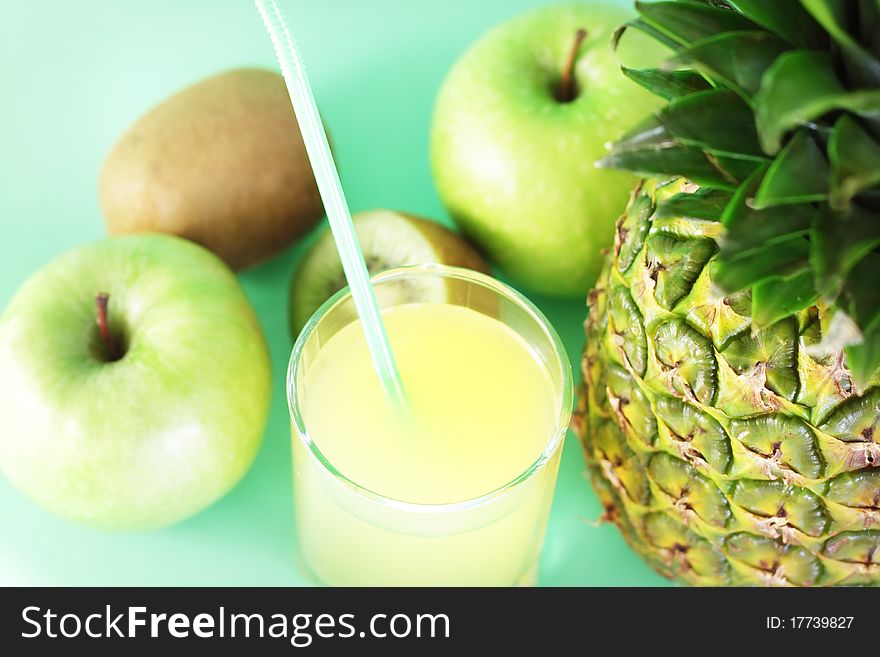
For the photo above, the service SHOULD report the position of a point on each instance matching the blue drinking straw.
(330, 188)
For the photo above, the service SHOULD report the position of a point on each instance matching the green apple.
(134, 385)
(518, 124)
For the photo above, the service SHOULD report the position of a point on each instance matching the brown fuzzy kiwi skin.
(221, 163)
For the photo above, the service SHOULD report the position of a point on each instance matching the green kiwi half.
(388, 239)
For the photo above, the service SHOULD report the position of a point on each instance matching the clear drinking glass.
(349, 535)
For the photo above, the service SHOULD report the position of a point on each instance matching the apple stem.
(567, 91)
(102, 300)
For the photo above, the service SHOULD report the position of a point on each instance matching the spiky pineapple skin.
(726, 455)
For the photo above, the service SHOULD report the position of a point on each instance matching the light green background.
(73, 76)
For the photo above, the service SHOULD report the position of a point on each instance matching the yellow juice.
(482, 409)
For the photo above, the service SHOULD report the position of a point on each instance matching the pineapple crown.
(774, 110)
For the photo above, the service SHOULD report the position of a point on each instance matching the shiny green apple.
(134, 383)
(518, 124)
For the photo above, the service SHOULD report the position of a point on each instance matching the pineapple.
(730, 413)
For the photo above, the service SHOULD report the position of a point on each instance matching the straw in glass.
(330, 188)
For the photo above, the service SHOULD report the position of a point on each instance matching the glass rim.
(433, 269)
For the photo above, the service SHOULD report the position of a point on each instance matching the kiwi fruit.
(388, 239)
(221, 163)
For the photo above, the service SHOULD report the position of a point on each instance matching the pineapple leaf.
(801, 86)
(666, 84)
(799, 174)
(686, 23)
(839, 241)
(861, 300)
(707, 204)
(777, 298)
(855, 161)
(869, 25)
(862, 359)
(747, 228)
(737, 59)
(861, 295)
(658, 154)
(717, 120)
(796, 186)
(649, 132)
(642, 26)
(761, 244)
(786, 19)
(865, 68)
(738, 270)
